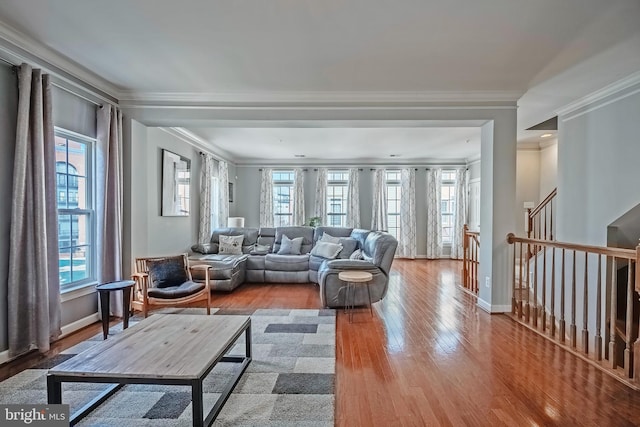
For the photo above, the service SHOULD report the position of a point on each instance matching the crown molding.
(465, 98)
(199, 143)
(600, 97)
(18, 47)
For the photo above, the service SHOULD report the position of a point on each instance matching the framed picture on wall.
(231, 192)
(176, 179)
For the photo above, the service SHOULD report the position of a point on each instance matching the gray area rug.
(289, 382)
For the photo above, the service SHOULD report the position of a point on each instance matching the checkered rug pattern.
(289, 382)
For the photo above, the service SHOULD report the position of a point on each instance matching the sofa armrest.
(349, 264)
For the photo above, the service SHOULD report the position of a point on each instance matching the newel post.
(465, 245)
(636, 345)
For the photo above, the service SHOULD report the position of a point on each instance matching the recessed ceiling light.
(298, 155)
(394, 155)
(546, 135)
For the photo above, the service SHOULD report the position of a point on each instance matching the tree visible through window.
(74, 185)
(282, 198)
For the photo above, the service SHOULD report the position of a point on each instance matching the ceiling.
(250, 50)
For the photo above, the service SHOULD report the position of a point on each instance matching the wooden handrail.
(544, 203)
(587, 274)
(470, 261)
(615, 252)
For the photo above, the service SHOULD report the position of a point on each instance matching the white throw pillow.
(329, 238)
(357, 254)
(230, 245)
(290, 246)
(326, 250)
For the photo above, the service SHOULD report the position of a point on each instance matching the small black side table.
(104, 290)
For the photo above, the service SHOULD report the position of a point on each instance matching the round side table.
(353, 279)
(104, 290)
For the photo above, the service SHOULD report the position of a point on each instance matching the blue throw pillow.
(167, 272)
(290, 246)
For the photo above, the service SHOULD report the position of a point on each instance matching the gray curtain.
(353, 199)
(109, 199)
(460, 217)
(379, 214)
(321, 196)
(266, 198)
(434, 213)
(207, 164)
(298, 197)
(407, 238)
(223, 193)
(33, 282)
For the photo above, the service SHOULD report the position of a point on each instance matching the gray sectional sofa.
(261, 263)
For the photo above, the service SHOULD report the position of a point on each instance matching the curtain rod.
(373, 169)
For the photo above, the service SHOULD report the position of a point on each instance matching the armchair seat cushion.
(171, 292)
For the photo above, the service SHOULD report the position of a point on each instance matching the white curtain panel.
(109, 200)
(434, 213)
(298, 197)
(207, 164)
(266, 198)
(353, 199)
(223, 194)
(379, 214)
(33, 285)
(321, 196)
(407, 241)
(460, 217)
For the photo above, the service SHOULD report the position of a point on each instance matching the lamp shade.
(235, 221)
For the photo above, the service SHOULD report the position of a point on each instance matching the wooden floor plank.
(429, 356)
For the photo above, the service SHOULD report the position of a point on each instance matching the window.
(393, 202)
(74, 189)
(337, 181)
(448, 204)
(282, 198)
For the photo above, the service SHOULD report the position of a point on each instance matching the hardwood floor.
(431, 357)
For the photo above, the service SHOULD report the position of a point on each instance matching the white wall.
(527, 185)
(548, 169)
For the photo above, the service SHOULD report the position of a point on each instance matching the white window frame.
(278, 214)
(337, 217)
(89, 211)
(451, 203)
(393, 185)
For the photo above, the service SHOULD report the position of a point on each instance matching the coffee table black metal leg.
(54, 390)
(104, 309)
(126, 307)
(197, 403)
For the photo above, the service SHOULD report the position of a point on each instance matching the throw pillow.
(290, 246)
(357, 254)
(167, 272)
(326, 250)
(205, 248)
(230, 245)
(329, 238)
(349, 245)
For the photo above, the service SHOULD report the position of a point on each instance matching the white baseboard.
(4, 356)
(79, 324)
(493, 309)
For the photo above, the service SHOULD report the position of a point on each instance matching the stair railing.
(470, 260)
(566, 286)
(540, 223)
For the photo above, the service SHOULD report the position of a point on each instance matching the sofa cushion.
(349, 244)
(230, 245)
(278, 262)
(332, 231)
(205, 248)
(255, 262)
(326, 249)
(291, 232)
(315, 262)
(349, 264)
(328, 238)
(260, 249)
(167, 272)
(357, 254)
(290, 246)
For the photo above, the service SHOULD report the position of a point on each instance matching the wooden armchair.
(167, 281)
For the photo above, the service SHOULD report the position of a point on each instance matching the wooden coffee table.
(172, 349)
